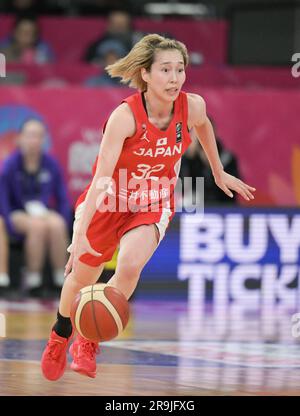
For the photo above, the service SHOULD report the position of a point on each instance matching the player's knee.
(79, 280)
(129, 268)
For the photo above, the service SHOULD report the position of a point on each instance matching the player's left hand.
(229, 183)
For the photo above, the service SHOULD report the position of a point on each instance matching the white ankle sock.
(33, 279)
(59, 277)
(4, 280)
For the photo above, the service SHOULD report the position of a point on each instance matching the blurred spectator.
(20, 6)
(24, 7)
(111, 51)
(120, 30)
(34, 204)
(99, 7)
(4, 278)
(24, 45)
(195, 164)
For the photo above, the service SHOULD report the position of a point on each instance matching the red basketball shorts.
(107, 228)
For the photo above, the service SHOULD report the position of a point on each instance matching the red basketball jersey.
(147, 170)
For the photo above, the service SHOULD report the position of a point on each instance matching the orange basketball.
(100, 312)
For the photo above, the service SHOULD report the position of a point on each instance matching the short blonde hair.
(142, 55)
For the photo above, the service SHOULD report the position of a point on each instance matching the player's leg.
(35, 231)
(54, 358)
(58, 243)
(136, 248)
(85, 275)
(130, 263)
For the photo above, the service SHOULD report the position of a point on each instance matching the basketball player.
(159, 116)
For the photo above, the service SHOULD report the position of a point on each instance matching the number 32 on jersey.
(146, 171)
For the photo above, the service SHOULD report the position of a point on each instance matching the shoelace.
(54, 349)
(88, 348)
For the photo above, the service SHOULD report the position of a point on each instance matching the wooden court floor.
(168, 348)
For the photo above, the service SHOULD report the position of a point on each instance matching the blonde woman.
(146, 135)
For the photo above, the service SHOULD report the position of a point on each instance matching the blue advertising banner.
(247, 255)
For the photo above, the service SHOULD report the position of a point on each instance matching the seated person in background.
(119, 29)
(4, 278)
(35, 205)
(24, 45)
(19, 6)
(109, 52)
(195, 164)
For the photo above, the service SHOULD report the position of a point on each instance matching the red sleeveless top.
(149, 164)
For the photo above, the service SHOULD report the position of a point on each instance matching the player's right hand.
(79, 246)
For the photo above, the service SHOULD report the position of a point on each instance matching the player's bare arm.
(198, 120)
(120, 125)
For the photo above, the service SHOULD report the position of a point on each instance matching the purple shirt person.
(34, 203)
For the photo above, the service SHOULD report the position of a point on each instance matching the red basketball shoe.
(84, 354)
(54, 358)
